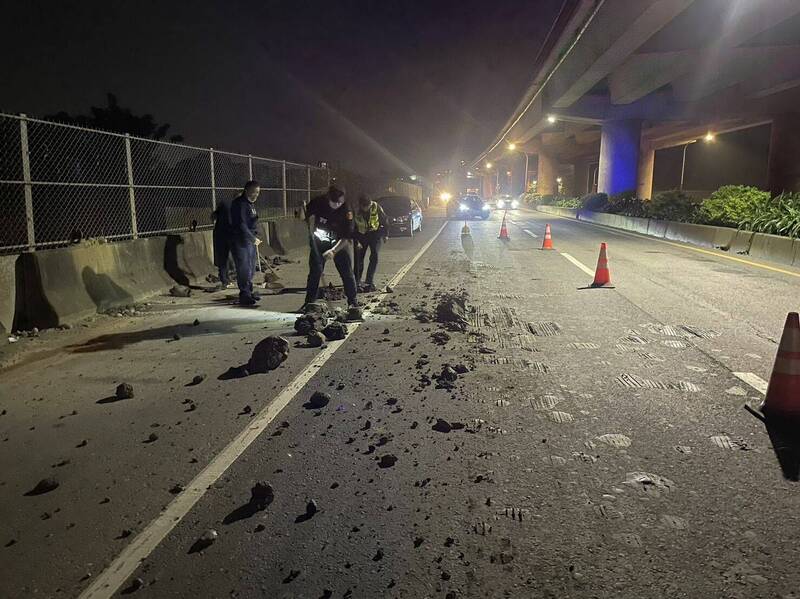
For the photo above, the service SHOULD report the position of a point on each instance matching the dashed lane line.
(755, 381)
(578, 263)
(126, 563)
(531, 233)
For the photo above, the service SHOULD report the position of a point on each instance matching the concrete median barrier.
(287, 234)
(8, 290)
(700, 235)
(64, 285)
(657, 228)
(774, 248)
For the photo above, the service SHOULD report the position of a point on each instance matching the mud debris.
(268, 354)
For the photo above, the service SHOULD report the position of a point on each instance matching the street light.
(488, 165)
(708, 138)
(512, 146)
(551, 118)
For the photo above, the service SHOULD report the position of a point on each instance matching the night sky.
(381, 87)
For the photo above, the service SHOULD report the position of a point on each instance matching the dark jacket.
(222, 218)
(244, 219)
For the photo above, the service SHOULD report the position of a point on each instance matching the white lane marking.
(113, 577)
(755, 381)
(531, 233)
(579, 264)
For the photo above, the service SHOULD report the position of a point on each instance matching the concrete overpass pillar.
(644, 182)
(783, 171)
(581, 178)
(619, 156)
(546, 183)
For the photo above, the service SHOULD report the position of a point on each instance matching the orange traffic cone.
(465, 229)
(504, 230)
(547, 244)
(602, 276)
(783, 392)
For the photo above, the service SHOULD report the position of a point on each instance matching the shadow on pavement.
(167, 333)
(786, 445)
(242, 512)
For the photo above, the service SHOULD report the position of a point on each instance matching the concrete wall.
(8, 290)
(770, 248)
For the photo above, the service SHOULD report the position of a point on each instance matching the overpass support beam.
(619, 156)
(644, 180)
(546, 183)
(783, 172)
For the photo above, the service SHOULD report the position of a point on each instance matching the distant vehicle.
(403, 213)
(505, 202)
(469, 206)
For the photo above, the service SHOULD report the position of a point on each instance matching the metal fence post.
(131, 194)
(308, 181)
(26, 177)
(249, 167)
(283, 185)
(213, 182)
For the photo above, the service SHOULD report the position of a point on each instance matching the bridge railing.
(60, 182)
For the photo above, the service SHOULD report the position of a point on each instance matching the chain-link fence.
(60, 183)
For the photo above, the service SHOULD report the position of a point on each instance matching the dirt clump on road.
(268, 354)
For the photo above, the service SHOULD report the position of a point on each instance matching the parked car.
(403, 213)
(469, 206)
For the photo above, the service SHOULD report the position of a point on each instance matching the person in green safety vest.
(371, 231)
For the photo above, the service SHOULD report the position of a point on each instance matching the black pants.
(222, 252)
(244, 255)
(316, 265)
(368, 241)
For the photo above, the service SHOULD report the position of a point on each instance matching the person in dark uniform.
(222, 240)
(330, 225)
(244, 240)
(371, 232)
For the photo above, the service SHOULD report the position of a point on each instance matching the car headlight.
(514, 204)
(445, 196)
(399, 219)
(486, 207)
(463, 207)
(501, 204)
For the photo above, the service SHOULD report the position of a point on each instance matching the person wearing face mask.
(244, 239)
(330, 223)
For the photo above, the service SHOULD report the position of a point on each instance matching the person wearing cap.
(330, 225)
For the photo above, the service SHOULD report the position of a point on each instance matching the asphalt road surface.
(594, 443)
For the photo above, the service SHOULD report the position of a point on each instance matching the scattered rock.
(43, 486)
(442, 426)
(176, 337)
(180, 291)
(355, 313)
(315, 339)
(152, 438)
(310, 322)
(196, 323)
(440, 338)
(335, 331)
(206, 540)
(318, 401)
(176, 489)
(124, 391)
(452, 308)
(197, 379)
(135, 585)
(311, 508)
(268, 354)
(387, 461)
(320, 308)
(261, 495)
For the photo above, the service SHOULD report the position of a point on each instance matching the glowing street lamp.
(551, 118)
(709, 137)
(488, 165)
(512, 146)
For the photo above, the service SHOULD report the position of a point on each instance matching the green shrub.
(568, 202)
(596, 202)
(732, 205)
(628, 204)
(673, 205)
(777, 216)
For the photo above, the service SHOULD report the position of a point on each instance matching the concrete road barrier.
(287, 234)
(701, 235)
(657, 228)
(774, 248)
(64, 285)
(8, 290)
